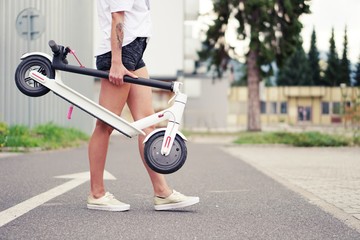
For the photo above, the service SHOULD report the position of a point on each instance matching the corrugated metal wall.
(68, 22)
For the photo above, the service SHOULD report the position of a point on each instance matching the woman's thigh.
(140, 97)
(113, 97)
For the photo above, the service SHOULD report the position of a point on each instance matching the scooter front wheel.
(164, 164)
(25, 83)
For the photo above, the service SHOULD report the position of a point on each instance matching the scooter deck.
(87, 105)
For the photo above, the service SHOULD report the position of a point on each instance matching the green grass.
(46, 137)
(50, 136)
(304, 139)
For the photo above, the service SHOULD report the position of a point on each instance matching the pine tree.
(332, 71)
(313, 57)
(296, 70)
(344, 75)
(357, 74)
(272, 29)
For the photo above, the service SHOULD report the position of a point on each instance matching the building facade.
(27, 26)
(170, 52)
(298, 106)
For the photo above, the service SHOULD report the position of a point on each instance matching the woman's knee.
(149, 129)
(103, 127)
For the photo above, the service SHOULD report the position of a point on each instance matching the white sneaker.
(175, 200)
(107, 203)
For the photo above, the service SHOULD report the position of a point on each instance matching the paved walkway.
(328, 177)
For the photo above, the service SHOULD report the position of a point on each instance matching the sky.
(337, 14)
(325, 15)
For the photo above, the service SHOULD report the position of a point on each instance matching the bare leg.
(140, 104)
(112, 98)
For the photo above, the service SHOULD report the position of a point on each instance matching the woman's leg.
(112, 98)
(140, 104)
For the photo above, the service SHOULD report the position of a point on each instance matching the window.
(336, 107)
(263, 107)
(273, 107)
(283, 107)
(325, 108)
(304, 113)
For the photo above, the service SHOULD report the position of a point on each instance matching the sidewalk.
(8, 154)
(327, 177)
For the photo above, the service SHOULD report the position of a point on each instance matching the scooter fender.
(36, 53)
(162, 129)
(26, 55)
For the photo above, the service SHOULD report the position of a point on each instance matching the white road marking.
(20, 209)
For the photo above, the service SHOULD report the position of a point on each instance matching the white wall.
(192, 9)
(207, 106)
(69, 23)
(165, 53)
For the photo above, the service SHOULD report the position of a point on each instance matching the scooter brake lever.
(176, 90)
(172, 98)
(65, 53)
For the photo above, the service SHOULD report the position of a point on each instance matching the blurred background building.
(28, 25)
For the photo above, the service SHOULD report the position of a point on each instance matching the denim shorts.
(131, 56)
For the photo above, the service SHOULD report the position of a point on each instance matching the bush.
(306, 139)
(315, 139)
(55, 137)
(47, 136)
(4, 131)
(20, 136)
(356, 138)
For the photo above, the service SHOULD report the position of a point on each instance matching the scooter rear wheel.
(164, 164)
(25, 83)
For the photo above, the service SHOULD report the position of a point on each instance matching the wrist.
(116, 62)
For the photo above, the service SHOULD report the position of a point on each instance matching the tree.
(331, 77)
(214, 47)
(313, 58)
(344, 75)
(357, 74)
(296, 70)
(271, 27)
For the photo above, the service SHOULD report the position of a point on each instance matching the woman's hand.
(117, 73)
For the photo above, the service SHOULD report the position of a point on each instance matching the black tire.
(27, 85)
(164, 164)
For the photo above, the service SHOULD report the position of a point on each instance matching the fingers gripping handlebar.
(60, 63)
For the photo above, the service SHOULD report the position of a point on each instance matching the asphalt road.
(236, 200)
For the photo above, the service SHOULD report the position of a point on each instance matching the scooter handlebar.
(60, 65)
(54, 47)
(142, 81)
(103, 74)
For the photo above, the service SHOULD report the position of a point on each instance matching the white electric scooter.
(165, 149)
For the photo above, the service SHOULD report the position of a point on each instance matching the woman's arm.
(117, 70)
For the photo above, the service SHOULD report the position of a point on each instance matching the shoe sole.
(171, 206)
(109, 208)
